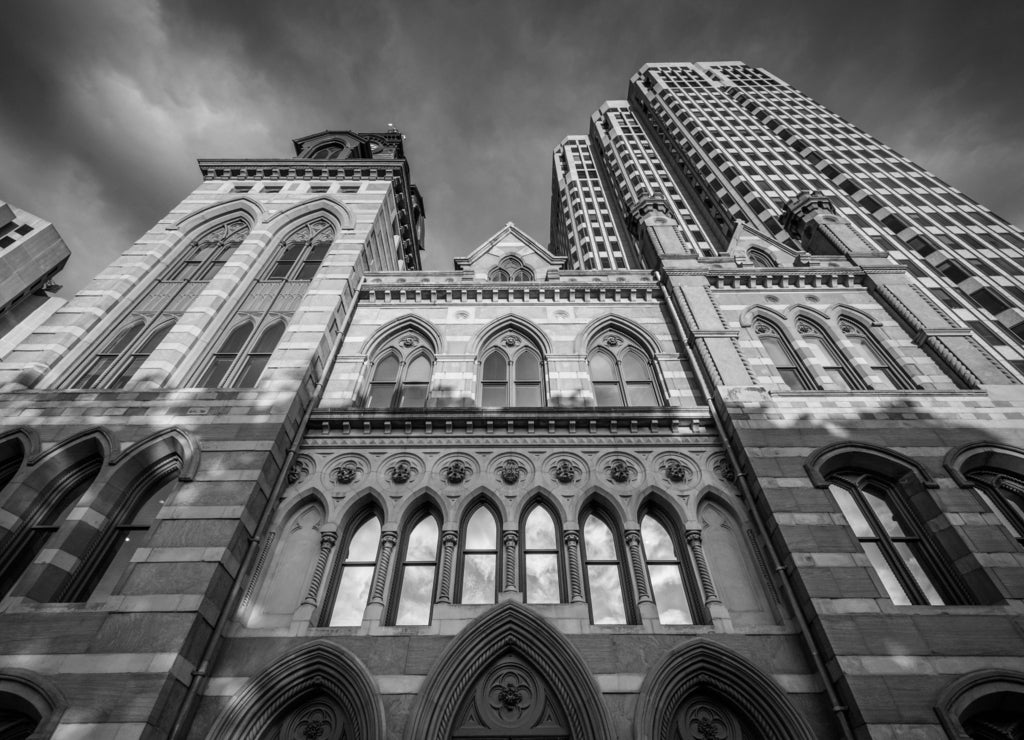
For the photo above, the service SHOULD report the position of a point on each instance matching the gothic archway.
(320, 690)
(510, 674)
(702, 690)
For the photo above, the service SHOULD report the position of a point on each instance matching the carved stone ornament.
(510, 471)
(317, 720)
(847, 328)
(762, 328)
(702, 720)
(456, 472)
(613, 340)
(805, 328)
(677, 471)
(620, 471)
(401, 472)
(345, 473)
(409, 340)
(721, 467)
(566, 472)
(511, 340)
(299, 471)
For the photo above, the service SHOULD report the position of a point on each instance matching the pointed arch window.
(140, 354)
(418, 577)
(400, 376)
(788, 365)
(210, 252)
(61, 496)
(300, 254)
(882, 366)
(760, 258)
(242, 356)
(671, 581)
(903, 559)
(510, 269)
(601, 557)
(622, 374)
(512, 375)
(110, 353)
(541, 565)
(479, 567)
(353, 575)
(1003, 494)
(831, 360)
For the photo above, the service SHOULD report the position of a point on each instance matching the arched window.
(300, 254)
(510, 269)
(670, 580)
(129, 528)
(207, 254)
(760, 258)
(995, 716)
(330, 151)
(479, 569)
(140, 354)
(512, 378)
(885, 372)
(353, 574)
(787, 364)
(622, 374)
(400, 377)
(601, 557)
(12, 454)
(904, 561)
(226, 355)
(833, 363)
(109, 354)
(240, 360)
(1003, 494)
(60, 498)
(417, 579)
(296, 543)
(541, 566)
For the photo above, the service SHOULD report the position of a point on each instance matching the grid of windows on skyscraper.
(724, 142)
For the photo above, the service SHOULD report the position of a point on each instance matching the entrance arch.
(510, 674)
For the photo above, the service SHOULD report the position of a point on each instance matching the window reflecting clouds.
(665, 569)
(416, 595)
(604, 582)
(480, 558)
(356, 574)
(540, 571)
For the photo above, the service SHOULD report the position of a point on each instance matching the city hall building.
(738, 454)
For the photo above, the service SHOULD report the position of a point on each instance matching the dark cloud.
(104, 106)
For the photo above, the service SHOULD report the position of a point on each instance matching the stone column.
(449, 539)
(636, 559)
(388, 540)
(572, 548)
(511, 580)
(328, 536)
(693, 539)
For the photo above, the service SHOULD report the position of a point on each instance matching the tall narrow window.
(140, 355)
(109, 354)
(666, 571)
(886, 373)
(604, 578)
(1004, 496)
(300, 255)
(786, 362)
(207, 254)
(480, 558)
(400, 377)
(226, 355)
(541, 581)
(258, 356)
(622, 374)
(895, 549)
(831, 360)
(512, 269)
(241, 359)
(419, 569)
(353, 582)
(515, 378)
(60, 498)
(760, 258)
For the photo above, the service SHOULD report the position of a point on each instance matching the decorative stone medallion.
(510, 471)
(721, 467)
(409, 340)
(456, 472)
(565, 471)
(301, 469)
(401, 472)
(621, 471)
(511, 340)
(345, 473)
(677, 471)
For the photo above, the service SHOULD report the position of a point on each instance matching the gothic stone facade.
(262, 481)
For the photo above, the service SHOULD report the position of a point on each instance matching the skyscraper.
(716, 466)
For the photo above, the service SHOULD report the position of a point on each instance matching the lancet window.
(418, 576)
(400, 375)
(510, 269)
(831, 360)
(243, 355)
(622, 374)
(885, 372)
(603, 573)
(353, 575)
(512, 374)
(542, 563)
(671, 578)
(1003, 494)
(787, 363)
(905, 562)
(479, 568)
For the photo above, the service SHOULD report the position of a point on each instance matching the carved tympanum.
(702, 719)
(315, 720)
(510, 700)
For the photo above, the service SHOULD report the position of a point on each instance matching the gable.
(510, 255)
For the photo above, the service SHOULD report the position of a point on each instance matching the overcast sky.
(106, 105)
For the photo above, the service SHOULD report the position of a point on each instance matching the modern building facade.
(697, 471)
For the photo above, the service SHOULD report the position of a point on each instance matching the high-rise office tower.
(724, 142)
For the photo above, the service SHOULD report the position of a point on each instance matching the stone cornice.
(301, 169)
(427, 289)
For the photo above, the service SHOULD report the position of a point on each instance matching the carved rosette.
(511, 471)
(316, 720)
(566, 471)
(510, 699)
(409, 341)
(612, 340)
(511, 340)
(456, 472)
(702, 720)
(676, 471)
(621, 471)
(346, 472)
(302, 467)
(722, 468)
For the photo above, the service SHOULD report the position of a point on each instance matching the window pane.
(635, 367)
(885, 515)
(478, 579)
(851, 511)
(291, 251)
(268, 339)
(495, 367)
(602, 368)
(540, 530)
(495, 395)
(641, 394)
(423, 541)
(363, 545)
(908, 552)
(152, 504)
(528, 368)
(419, 371)
(1003, 519)
(127, 372)
(353, 592)
(281, 269)
(123, 339)
(606, 594)
(307, 271)
(865, 350)
(792, 379)
(528, 395)
(318, 252)
(598, 540)
(657, 543)
(155, 338)
(386, 370)
(607, 394)
(669, 595)
(98, 368)
(542, 578)
(215, 373)
(236, 339)
(838, 379)
(127, 542)
(414, 396)
(417, 595)
(481, 531)
(252, 369)
(773, 346)
(892, 585)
